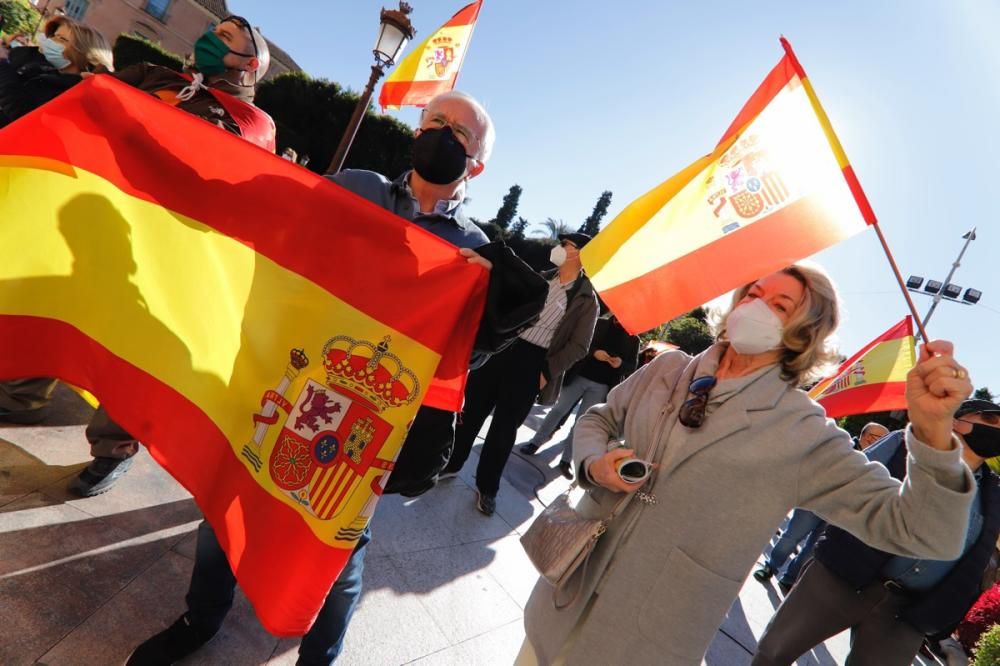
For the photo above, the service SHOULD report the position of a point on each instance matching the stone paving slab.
(84, 581)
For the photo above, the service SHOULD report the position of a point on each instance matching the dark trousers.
(213, 584)
(507, 386)
(108, 439)
(822, 605)
(425, 452)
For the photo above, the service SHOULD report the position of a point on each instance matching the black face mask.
(438, 157)
(984, 440)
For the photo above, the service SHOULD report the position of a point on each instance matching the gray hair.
(488, 133)
(869, 425)
(808, 350)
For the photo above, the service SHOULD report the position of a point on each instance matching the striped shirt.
(555, 308)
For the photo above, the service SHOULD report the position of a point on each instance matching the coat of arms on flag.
(328, 453)
(433, 66)
(776, 188)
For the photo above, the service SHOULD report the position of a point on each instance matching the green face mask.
(209, 51)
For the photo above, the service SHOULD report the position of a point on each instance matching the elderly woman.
(32, 76)
(737, 447)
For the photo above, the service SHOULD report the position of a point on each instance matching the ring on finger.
(959, 373)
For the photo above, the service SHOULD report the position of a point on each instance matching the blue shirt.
(914, 574)
(446, 221)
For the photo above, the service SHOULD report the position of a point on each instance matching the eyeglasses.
(988, 417)
(245, 24)
(439, 120)
(692, 413)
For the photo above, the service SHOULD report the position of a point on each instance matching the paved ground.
(84, 581)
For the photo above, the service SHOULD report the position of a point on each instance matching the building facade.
(173, 24)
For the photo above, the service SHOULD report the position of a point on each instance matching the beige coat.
(662, 578)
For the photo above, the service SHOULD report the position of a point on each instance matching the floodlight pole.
(969, 237)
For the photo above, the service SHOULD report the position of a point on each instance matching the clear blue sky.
(590, 96)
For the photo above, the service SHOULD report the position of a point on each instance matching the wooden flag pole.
(902, 285)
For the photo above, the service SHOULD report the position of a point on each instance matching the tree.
(690, 334)
(554, 228)
(517, 230)
(18, 17)
(983, 394)
(311, 115)
(132, 50)
(509, 207)
(592, 224)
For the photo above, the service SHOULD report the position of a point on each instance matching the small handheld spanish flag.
(776, 188)
(874, 379)
(433, 66)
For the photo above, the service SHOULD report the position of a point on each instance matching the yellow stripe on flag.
(694, 208)
(173, 297)
(886, 362)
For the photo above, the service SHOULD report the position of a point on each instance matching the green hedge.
(311, 115)
(18, 17)
(132, 49)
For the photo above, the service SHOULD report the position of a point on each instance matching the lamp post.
(395, 30)
(946, 290)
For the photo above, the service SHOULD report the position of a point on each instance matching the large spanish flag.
(874, 379)
(265, 333)
(432, 68)
(777, 188)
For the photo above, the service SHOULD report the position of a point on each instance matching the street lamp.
(946, 290)
(394, 31)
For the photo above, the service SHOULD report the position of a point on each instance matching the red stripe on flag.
(900, 330)
(866, 399)
(207, 174)
(793, 59)
(416, 93)
(224, 490)
(778, 78)
(737, 258)
(465, 15)
(859, 195)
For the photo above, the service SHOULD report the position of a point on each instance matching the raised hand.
(935, 387)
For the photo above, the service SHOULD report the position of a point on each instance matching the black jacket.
(610, 336)
(940, 609)
(27, 81)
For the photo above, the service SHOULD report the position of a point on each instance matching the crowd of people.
(900, 527)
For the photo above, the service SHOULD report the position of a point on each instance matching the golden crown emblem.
(369, 371)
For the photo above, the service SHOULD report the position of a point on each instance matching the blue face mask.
(54, 52)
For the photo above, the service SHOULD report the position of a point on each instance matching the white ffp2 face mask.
(558, 255)
(753, 328)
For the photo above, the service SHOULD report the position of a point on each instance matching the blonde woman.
(32, 76)
(737, 447)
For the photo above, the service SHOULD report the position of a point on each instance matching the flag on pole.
(432, 68)
(874, 379)
(777, 188)
(266, 334)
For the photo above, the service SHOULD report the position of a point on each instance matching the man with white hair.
(450, 147)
